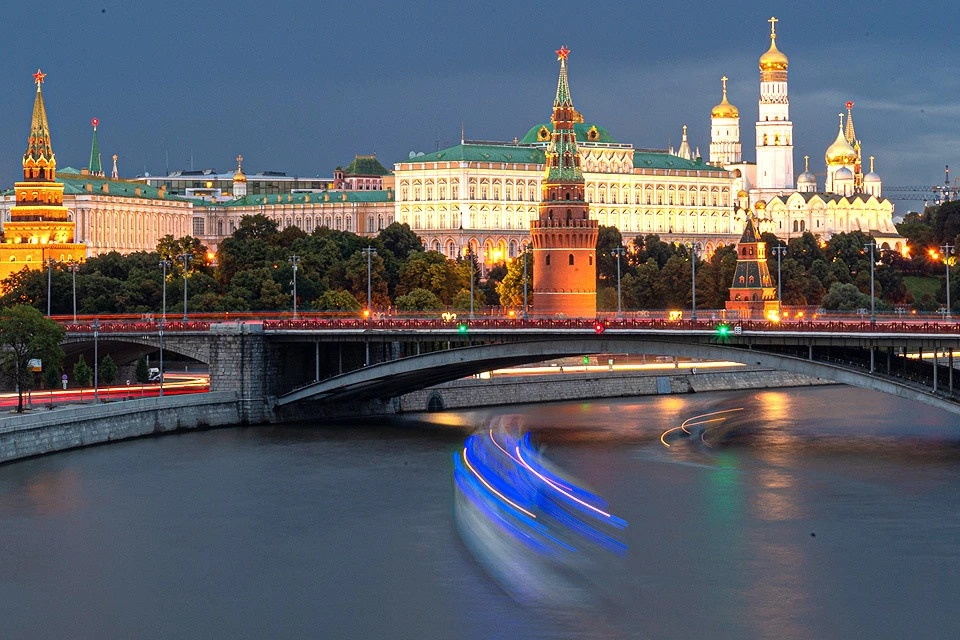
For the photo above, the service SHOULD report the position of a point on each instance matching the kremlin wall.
(492, 199)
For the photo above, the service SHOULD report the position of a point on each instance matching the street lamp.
(779, 251)
(526, 250)
(873, 301)
(619, 251)
(49, 263)
(947, 249)
(295, 261)
(369, 252)
(163, 322)
(73, 265)
(96, 357)
(186, 257)
(694, 249)
(470, 256)
(164, 264)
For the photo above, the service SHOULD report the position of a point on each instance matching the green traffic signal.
(586, 360)
(723, 330)
(462, 327)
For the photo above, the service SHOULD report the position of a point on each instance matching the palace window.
(198, 227)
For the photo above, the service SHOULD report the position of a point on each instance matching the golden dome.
(239, 176)
(742, 194)
(760, 205)
(840, 152)
(773, 59)
(725, 109)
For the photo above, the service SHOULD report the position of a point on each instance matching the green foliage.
(845, 297)
(51, 376)
(108, 370)
(338, 300)
(399, 240)
(461, 301)
(510, 288)
(82, 373)
(433, 272)
(608, 238)
(418, 300)
(141, 372)
(24, 335)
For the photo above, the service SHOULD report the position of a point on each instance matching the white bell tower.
(774, 129)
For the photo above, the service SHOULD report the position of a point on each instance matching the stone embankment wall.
(42, 431)
(517, 389)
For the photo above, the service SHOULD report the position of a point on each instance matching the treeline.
(254, 271)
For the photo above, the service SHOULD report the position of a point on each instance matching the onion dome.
(872, 176)
(725, 109)
(840, 152)
(843, 174)
(773, 59)
(239, 176)
(742, 194)
(806, 178)
(760, 205)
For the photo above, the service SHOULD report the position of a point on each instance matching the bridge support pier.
(872, 351)
(935, 367)
(810, 352)
(889, 358)
(950, 370)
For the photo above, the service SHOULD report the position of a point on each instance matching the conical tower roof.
(749, 231)
(563, 98)
(39, 152)
(849, 132)
(95, 167)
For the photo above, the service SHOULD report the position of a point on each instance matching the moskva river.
(809, 513)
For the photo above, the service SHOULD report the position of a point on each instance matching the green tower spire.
(562, 155)
(96, 168)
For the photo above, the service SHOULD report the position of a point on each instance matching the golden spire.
(850, 134)
(773, 59)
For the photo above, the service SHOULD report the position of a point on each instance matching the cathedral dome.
(840, 152)
(806, 178)
(773, 59)
(871, 177)
(725, 110)
(843, 174)
(760, 205)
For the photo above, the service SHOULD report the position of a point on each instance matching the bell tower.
(564, 237)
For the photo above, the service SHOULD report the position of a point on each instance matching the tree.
(461, 301)
(256, 226)
(26, 334)
(171, 249)
(51, 375)
(510, 288)
(418, 300)
(108, 371)
(608, 238)
(336, 300)
(845, 297)
(400, 240)
(141, 372)
(805, 250)
(82, 373)
(431, 271)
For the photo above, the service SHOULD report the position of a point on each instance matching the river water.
(815, 513)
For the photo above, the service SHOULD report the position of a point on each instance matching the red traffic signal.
(598, 327)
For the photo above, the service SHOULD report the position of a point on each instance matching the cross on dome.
(38, 77)
(773, 27)
(562, 53)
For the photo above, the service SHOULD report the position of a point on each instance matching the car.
(153, 374)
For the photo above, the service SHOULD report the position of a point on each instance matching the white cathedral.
(849, 201)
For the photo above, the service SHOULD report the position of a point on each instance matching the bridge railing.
(123, 326)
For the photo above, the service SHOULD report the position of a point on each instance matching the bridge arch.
(397, 377)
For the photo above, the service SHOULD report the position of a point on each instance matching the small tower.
(752, 294)
(95, 167)
(725, 132)
(114, 175)
(239, 180)
(851, 135)
(564, 237)
(684, 150)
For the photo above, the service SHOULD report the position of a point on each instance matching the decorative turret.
(871, 182)
(841, 159)
(851, 137)
(564, 237)
(239, 180)
(95, 167)
(39, 163)
(115, 175)
(725, 132)
(684, 150)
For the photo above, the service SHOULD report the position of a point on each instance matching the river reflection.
(811, 513)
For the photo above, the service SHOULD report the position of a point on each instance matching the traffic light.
(586, 360)
(723, 332)
(462, 327)
(598, 327)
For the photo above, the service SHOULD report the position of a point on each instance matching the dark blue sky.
(302, 86)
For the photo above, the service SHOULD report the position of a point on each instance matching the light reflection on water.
(826, 512)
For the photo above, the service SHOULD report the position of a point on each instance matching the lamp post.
(619, 251)
(779, 251)
(73, 266)
(873, 301)
(470, 256)
(526, 250)
(162, 323)
(369, 252)
(164, 264)
(694, 249)
(186, 257)
(49, 264)
(947, 249)
(295, 261)
(96, 357)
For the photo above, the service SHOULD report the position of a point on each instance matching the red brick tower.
(564, 237)
(752, 293)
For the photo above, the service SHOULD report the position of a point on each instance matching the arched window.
(548, 259)
(570, 259)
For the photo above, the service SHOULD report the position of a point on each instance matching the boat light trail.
(487, 485)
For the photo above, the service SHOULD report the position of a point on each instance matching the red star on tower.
(562, 53)
(38, 77)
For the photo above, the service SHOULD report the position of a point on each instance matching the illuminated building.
(40, 228)
(564, 237)
(365, 173)
(752, 293)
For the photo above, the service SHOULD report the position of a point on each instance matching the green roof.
(68, 170)
(468, 152)
(365, 166)
(256, 200)
(586, 132)
(78, 186)
(654, 160)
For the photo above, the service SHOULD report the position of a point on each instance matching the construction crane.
(936, 194)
